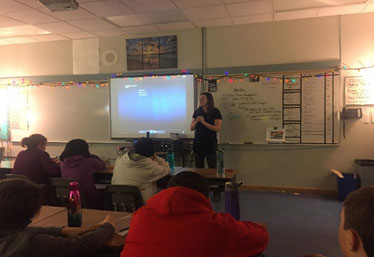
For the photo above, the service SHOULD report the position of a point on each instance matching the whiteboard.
(305, 106)
(63, 113)
(247, 109)
(358, 91)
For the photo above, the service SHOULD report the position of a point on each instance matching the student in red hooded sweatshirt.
(179, 221)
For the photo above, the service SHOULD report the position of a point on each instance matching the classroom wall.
(247, 45)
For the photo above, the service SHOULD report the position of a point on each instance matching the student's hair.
(210, 101)
(191, 180)
(359, 213)
(75, 147)
(33, 141)
(20, 200)
(145, 147)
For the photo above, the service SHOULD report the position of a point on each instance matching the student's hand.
(76, 232)
(110, 218)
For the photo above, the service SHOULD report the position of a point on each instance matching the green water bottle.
(220, 162)
(170, 159)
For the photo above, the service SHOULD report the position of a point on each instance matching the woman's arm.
(193, 123)
(216, 127)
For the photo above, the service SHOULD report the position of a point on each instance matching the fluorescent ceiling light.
(23, 30)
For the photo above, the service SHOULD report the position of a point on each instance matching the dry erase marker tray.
(365, 162)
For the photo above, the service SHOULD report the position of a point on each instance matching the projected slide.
(159, 105)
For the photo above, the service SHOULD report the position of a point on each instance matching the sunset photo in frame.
(152, 53)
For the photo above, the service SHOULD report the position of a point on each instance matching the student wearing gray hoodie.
(141, 168)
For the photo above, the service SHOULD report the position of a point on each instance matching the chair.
(123, 198)
(59, 191)
(8, 176)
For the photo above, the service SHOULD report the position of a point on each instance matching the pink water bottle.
(74, 206)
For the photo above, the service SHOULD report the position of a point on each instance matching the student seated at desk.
(20, 201)
(35, 163)
(356, 229)
(77, 163)
(180, 221)
(141, 168)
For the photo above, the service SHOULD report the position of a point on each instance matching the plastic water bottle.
(232, 199)
(220, 162)
(74, 206)
(170, 159)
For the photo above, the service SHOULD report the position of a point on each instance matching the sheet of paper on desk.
(124, 232)
(123, 224)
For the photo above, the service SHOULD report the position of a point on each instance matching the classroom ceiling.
(28, 21)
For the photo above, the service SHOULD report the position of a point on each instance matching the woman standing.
(206, 121)
(77, 163)
(35, 162)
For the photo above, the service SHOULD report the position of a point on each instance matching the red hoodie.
(180, 222)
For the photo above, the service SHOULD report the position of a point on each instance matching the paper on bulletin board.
(365, 115)
(275, 135)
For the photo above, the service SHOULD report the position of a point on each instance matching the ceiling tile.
(78, 35)
(214, 23)
(107, 8)
(23, 30)
(92, 24)
(141, 29)
(206, 13)
(282, 5)
(253, 19)
(369, 8)
(145, 6)
(293, 15)
(35, 4)
(30, 16)
(11, 5)
(8, 22)
(109, 32)
(46, 38)
(176, 26)
(5, 42)
(250, 8)
(78, 14)
(59, 27)
(235, 1)
(341, 10)
(21, 40)
(195, 3)
(149, 18)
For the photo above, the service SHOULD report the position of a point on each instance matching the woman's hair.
(20, 200)
(33, 141)
(145, 147)
(75, 147)
(210, 101)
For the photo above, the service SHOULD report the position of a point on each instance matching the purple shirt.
(36, 165)
(81, 169)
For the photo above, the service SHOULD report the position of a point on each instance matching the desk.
(89, 218)
(217, 182)
(6, 167)
(46, 212)
(365, 169)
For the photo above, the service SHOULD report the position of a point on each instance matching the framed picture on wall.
(152, 53)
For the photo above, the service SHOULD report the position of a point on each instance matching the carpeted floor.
(297, 224)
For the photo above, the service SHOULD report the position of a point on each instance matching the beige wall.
(256, 44)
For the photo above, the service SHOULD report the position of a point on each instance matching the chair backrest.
(59, 191)
(123, 198)
(8, 176)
